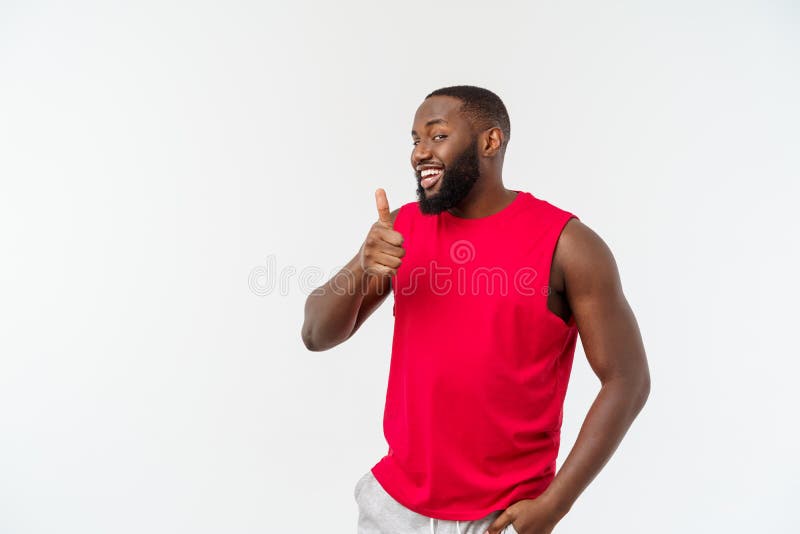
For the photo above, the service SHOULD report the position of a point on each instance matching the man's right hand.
(382, 249)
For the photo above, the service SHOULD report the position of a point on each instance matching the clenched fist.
(382, 249)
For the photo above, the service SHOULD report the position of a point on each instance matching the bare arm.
(335, 310)
(613, 346)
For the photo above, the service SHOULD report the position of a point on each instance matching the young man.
(491, 288)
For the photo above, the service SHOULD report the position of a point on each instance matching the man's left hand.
(529, 516)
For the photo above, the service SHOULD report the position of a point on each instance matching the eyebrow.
(432, 121)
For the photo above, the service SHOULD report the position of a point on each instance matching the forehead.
(439, 107)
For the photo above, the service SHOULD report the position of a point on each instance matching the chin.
(426, 209)
(429, 194)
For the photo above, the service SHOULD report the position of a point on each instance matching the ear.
(491, 141)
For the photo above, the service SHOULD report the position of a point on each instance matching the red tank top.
(479, 364)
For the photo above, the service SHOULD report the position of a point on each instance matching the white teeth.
(429, 172)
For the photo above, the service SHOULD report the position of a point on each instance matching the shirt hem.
(460, 515)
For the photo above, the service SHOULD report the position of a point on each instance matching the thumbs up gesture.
(382, 249)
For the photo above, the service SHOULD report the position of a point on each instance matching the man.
(491, 288)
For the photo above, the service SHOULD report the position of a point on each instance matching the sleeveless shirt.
(479, 364)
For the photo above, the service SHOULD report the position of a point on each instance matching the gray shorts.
(379, 513)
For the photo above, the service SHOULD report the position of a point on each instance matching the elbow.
(311, 346)
(308, 339)
(632, 387)
(311, 342)
(643, 390)
(638, 383)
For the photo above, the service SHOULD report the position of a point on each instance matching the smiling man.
(492, 287)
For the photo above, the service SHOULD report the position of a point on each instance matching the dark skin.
(585, 282)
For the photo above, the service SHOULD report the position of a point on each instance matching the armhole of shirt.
(555, 235)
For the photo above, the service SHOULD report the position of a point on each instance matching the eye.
(435, 136)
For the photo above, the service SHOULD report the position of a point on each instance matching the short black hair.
(483, 108)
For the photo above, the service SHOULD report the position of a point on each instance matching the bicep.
(606, 323)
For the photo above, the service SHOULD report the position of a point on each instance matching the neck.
(486, 198)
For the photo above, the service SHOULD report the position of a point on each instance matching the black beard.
(457, 182)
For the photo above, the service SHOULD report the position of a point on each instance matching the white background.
(154, 155)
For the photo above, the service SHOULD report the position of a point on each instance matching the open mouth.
(429, 177)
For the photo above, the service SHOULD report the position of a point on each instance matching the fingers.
(388, 260)
(379, 257)
(501, 524)
(383, 264)
(384, 215)
(378, 243)
(384, 254)
(391, 237)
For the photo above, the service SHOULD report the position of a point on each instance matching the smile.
(430, 177)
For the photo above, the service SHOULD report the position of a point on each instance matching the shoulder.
(583, 258)
(579, 239)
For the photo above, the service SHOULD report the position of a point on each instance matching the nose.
(420, 153)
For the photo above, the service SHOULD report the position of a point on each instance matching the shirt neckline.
(503, 213)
